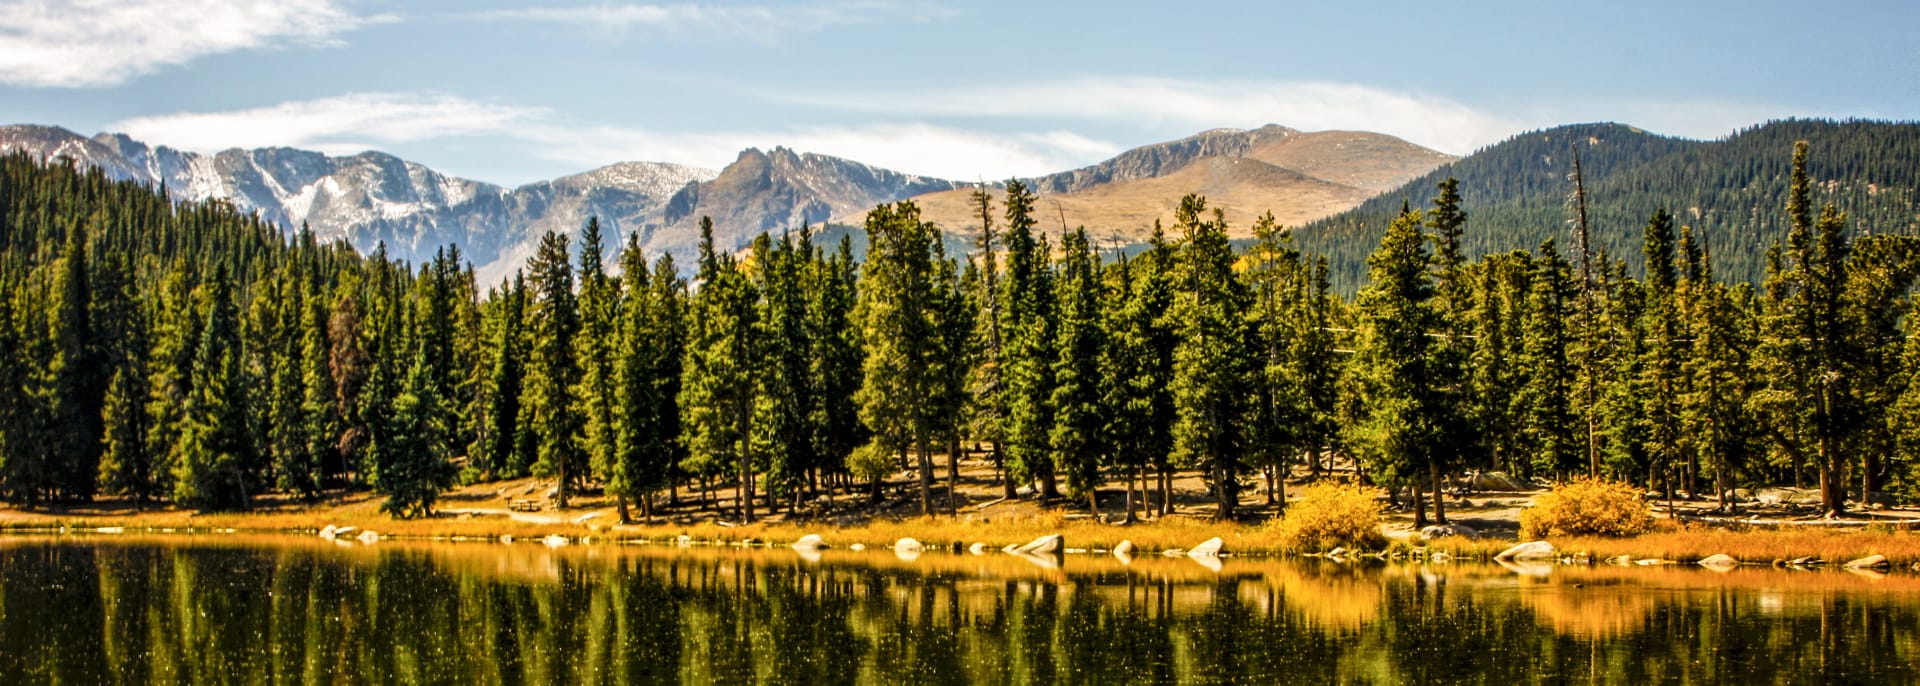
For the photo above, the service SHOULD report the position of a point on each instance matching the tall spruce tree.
(1403, 426)
(1210, 368)
(1811, 345)
(15, 411)
(989, 376)
(1079, 437)
(319, 417)
(1549, 425)
(593, 348)
(1274, 269)
(1662, 382)
(783, 393)
(896, 311)
(834, 358)
(717, 385)
(1028, 357)
(214, 455)
(71, 387)
(416, 470)
(554, 377)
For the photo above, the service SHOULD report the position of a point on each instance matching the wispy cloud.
(341, 124)
(90, 43)
(351, 123)
(1193, 104)
(760, 23)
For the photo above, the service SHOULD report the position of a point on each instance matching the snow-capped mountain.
(373, 197)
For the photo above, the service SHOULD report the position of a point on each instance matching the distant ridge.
(1731, 190)
(1298, 176)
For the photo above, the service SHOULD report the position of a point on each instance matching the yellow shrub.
(1587, 507)
(1331, 515)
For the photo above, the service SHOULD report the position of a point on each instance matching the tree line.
(191, 353)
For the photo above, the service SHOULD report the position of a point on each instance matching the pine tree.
(415, 471)
(598, 307)
(71, 388)
(1500, 311)
(170, 373)
(214, 455)
(1274, 269)
(1662, 382)
(897, 314)
(1210, 374)
(1812, 344)
(1548, 422)
(1313, 364)
(319, 422)
(350, 365)
(1403, 425)
(954, 359)
(1028, 356)
(127, 465)
(1453, 350)
(15, 412)
(717, 385)
(989, 376)
(1079, 437)
(834, 358)
(554, 372)
(644, 410)
(504, 454)
(1720, 380)
(783, 393)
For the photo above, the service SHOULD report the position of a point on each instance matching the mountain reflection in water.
(250, 610)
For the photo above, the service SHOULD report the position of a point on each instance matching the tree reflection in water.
(277, 610)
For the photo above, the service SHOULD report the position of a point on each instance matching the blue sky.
(511, 91)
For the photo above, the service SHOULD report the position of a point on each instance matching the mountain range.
(374, 198)
(1339, 188)
(1298, 176)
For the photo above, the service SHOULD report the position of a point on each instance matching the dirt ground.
(528, 503)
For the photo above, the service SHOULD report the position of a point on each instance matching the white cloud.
(343, 124)
(760, 23)
(1153, 102)
(352, 123)
(85, 43)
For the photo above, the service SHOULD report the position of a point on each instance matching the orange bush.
(1587, 507)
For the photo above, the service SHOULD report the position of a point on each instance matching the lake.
(262, 609)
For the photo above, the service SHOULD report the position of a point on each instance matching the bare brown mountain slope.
(1299, 177)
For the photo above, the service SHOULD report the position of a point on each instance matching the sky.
(515, 91)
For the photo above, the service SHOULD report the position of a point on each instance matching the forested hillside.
(190, 354)
(1730, 191)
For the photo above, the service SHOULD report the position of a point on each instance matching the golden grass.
(1695, 542)
(933, 531)
(996, 532)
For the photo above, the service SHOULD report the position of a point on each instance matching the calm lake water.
(247, 610)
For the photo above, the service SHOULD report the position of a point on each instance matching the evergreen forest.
(194, 355)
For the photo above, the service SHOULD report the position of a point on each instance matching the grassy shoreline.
(1677, 543)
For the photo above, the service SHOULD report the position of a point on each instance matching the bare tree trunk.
(953, 473)
(1833, 492)
(1166, 493)
(1419, 506)
(620, 504)
(926, 476)
(1133, 476)
(1439, 499)
(1227, 494)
